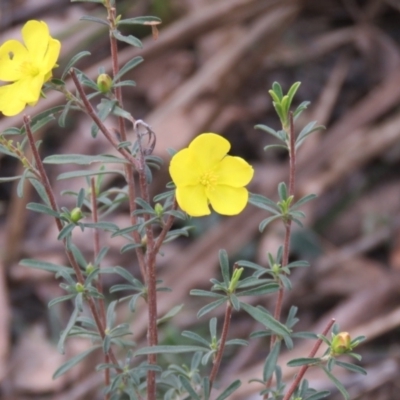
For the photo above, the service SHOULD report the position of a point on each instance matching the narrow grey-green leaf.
(64, 334)
(167, 349)
(41, 208)
(74, 60)
(139, 21)
(266, 319)
(229, 390)
(127, 67)
(132, 40)
(73, 361)
(186, 384)
(337, 383)
(94, 19)
(271, 360)
(82, 159)
(209, 307)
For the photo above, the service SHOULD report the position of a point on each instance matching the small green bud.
(341, 343)
(76, 215)
(79, 288)
(237, 273)
(90, 268)
(159, 209)
(276, 269)
(104, 83)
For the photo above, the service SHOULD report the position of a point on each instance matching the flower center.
(27, 68)
(209, 179)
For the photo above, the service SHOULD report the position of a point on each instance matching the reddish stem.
(221, 347)
(49, 191)
(304, 368)
(288, 227)
(99, 283)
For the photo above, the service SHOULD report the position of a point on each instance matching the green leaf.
(292, 91)
(40, 190)
(300, 109)
(105, 108)
(229, 390)
(186, 384)
(340, 387)
(40, 120)
(103, 225)
(74, 60)
(269, 130)
(139, 21)
(11, 131)
(249, 264)
(170, 314)
(167, 349)
(125, 83)
(132, 40)
(84, 173)
(206, 293)
(266, 221)
(266, 319)
(66, 231)
(209, 307)
(73, 361)
(351, 367)
(277, 89)
(10, 178)
(224, 263)
(41, 208)
(260, 290)
(264, 203)
(194, 336)
(298, 362)
(64, 334)
(88, 1)
(43, 265)
(94, 19)
(319, 395)
(82, 159)
(127, 67)
(271, 360)
(282, 191)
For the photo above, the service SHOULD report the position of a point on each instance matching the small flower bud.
(341, 343)
(90, 268)
(104, 83)
(76, 215)
(158, 208)
(237, 273)
(144, 241)
(79, 288)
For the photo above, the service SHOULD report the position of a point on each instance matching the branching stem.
(304, 368)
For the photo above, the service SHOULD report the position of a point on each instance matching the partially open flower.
(28, 66)
(204, 174)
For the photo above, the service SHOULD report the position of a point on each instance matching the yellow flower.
(203, 174)
(27, 66)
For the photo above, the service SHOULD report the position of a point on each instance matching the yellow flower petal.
(227, 200)
(12, 55)
(9, 104)
(51, 56)
(184, 168)
(33, 86)
(36, 38)
(234, 171)
(193, 200)
(209, 149)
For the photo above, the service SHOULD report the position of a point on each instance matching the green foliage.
(243, 285)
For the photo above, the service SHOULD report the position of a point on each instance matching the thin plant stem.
(221, 347)
(99, 283)
(92, 114)
(288, 228)
(49, 191)
(304, 368)
(148, 266)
